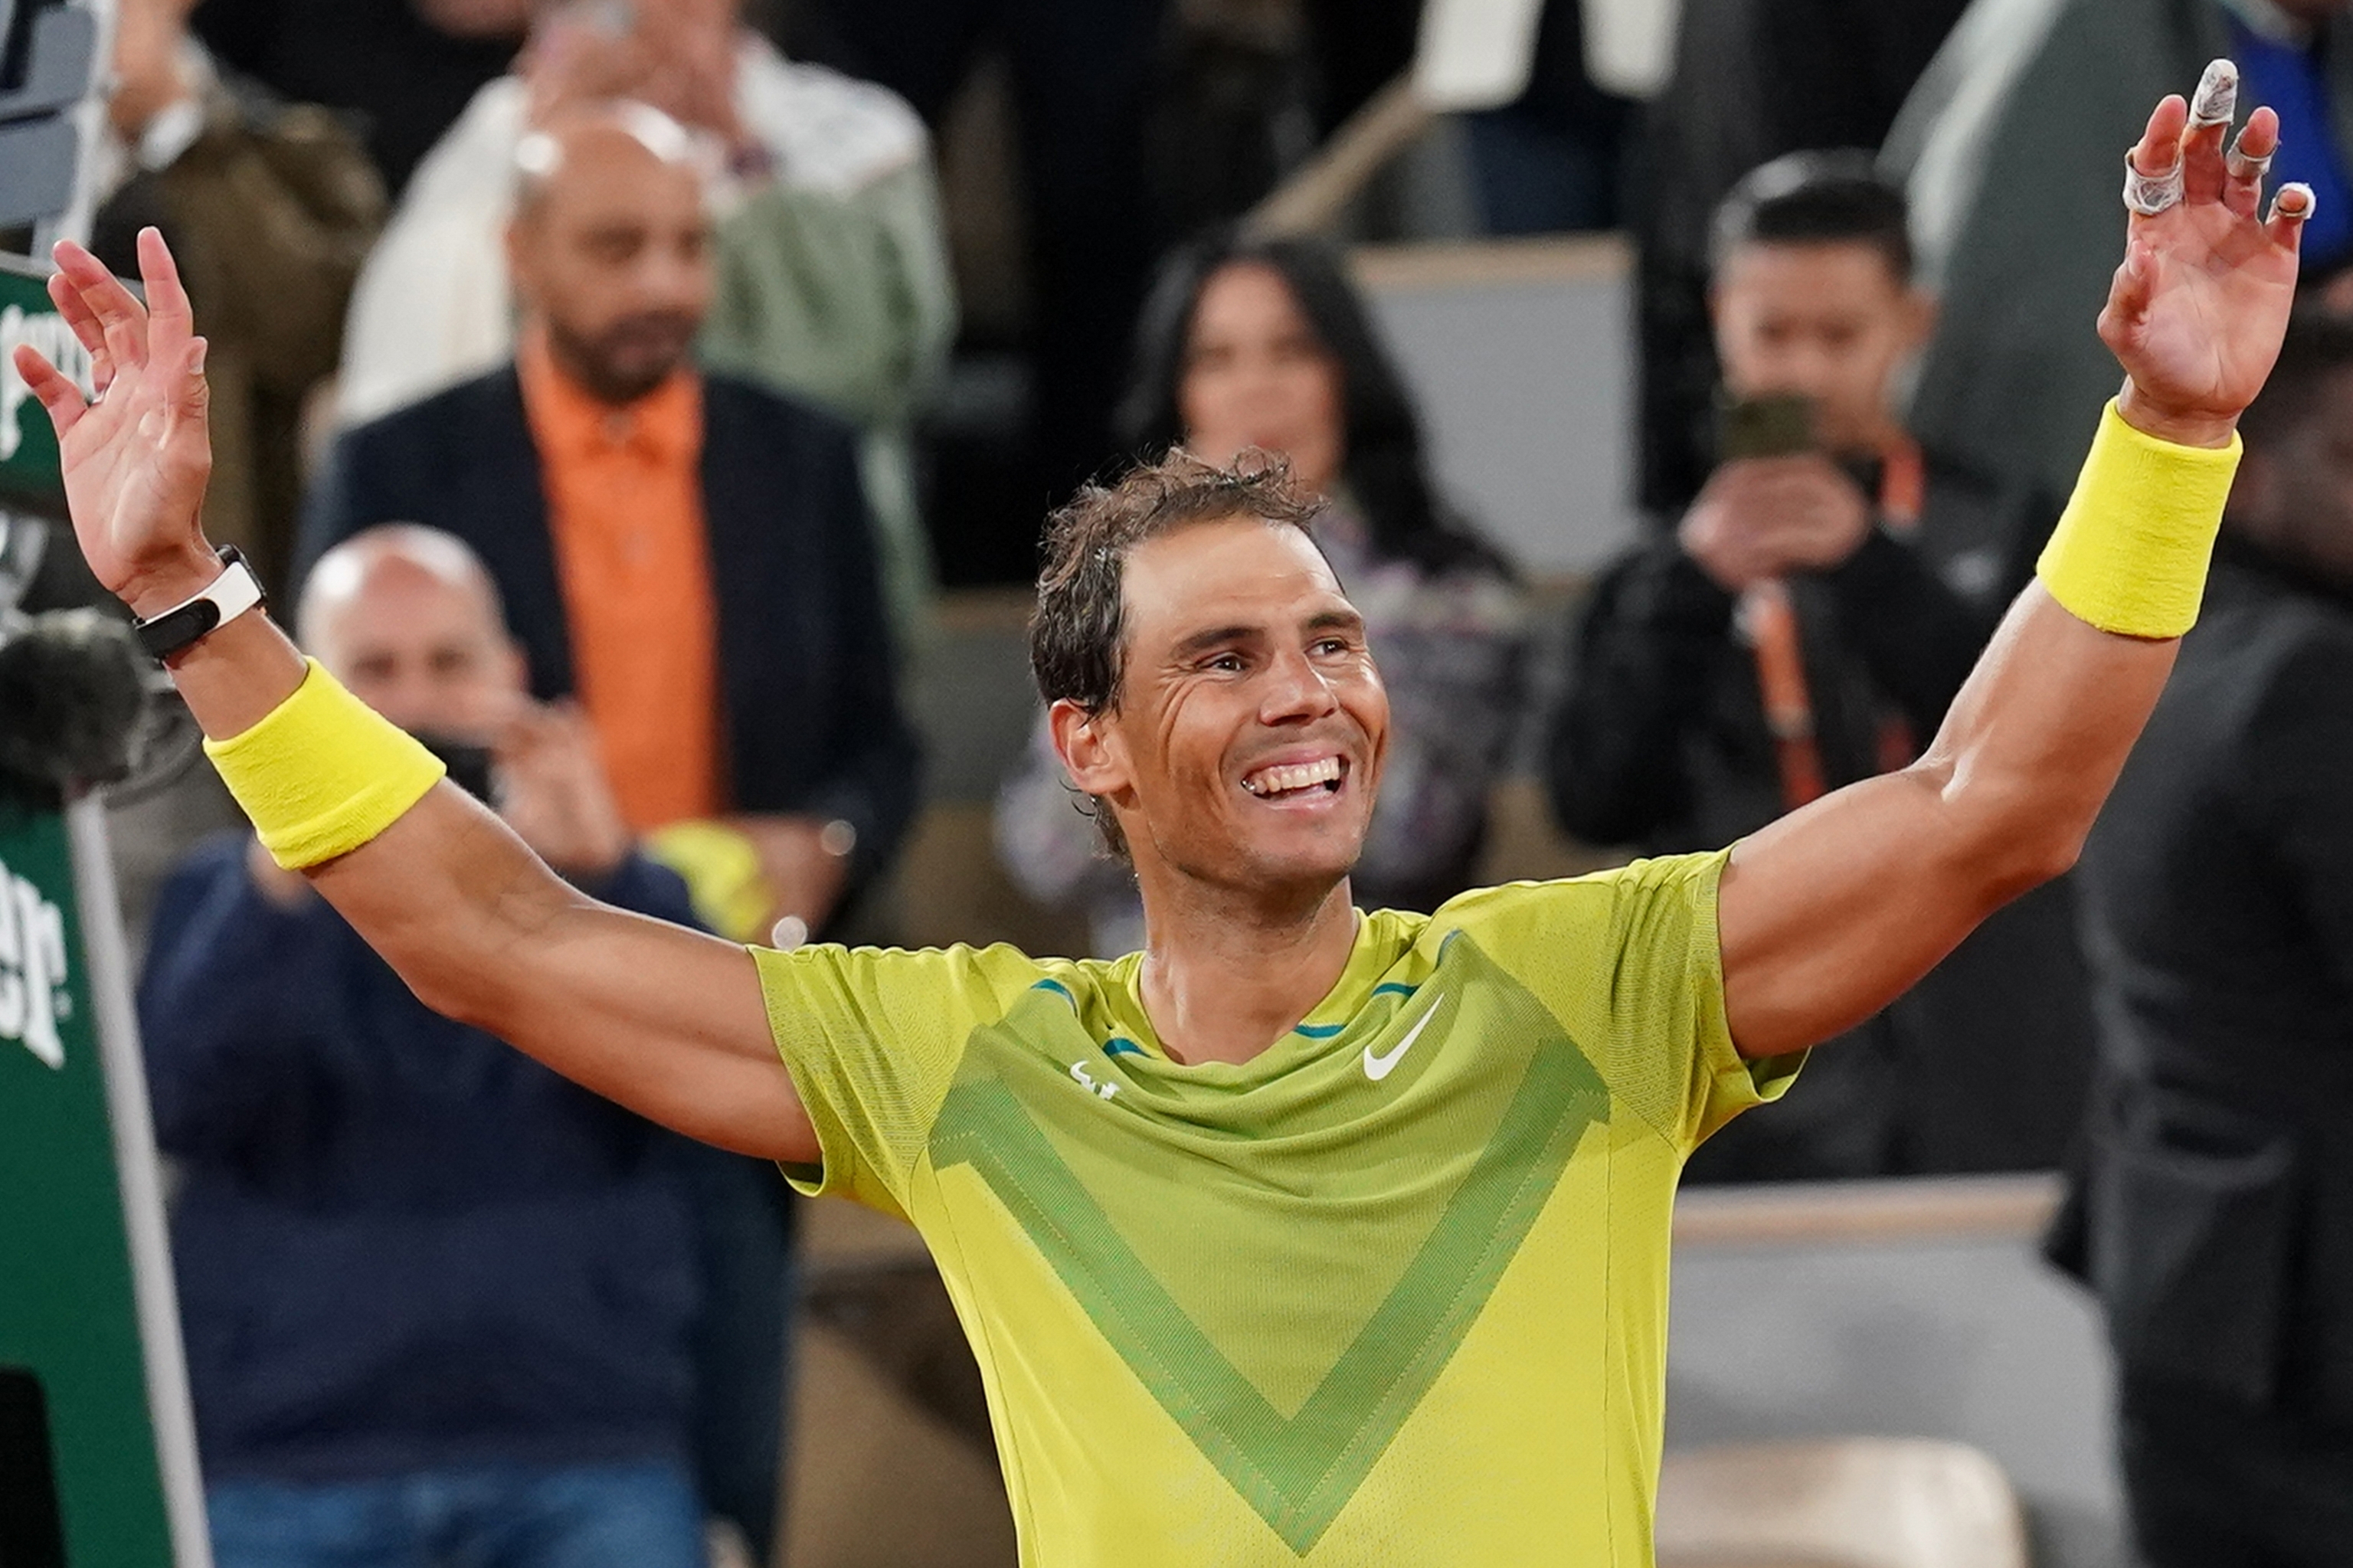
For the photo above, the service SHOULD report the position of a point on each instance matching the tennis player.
(1306, 1235)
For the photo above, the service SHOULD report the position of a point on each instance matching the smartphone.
(470, 770)
(1778, 424)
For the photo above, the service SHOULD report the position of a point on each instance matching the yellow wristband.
(323, 773)
(2130, 552)
(723, 875)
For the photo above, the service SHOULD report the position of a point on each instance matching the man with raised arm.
(1304, 1236)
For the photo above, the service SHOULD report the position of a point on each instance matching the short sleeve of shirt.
(1629, 963)
(872, 1038)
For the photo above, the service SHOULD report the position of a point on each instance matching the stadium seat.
(1862, 1503)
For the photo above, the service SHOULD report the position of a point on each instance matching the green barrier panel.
(68, 1322)
(98, 1465)
(28, 446)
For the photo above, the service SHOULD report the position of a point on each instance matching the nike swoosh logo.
(1379, 1067)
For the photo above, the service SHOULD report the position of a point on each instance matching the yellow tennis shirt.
(1393, 1294)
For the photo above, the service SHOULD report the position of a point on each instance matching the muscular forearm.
(2036, 739)
(426, 893)
(667, 1022)
(1829, 914)
(1896, 870)
(486, 933)
(664, 1020)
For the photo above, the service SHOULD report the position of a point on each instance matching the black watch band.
(234, 591)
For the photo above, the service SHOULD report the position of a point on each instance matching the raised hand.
(136, 458)
(2197, 311)
(554, 792)
(1764, 517)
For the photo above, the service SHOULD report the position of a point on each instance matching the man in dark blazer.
(643, 518)
(2215, 1214)
(688, 558)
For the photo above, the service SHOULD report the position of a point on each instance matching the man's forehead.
(624, 156)
(383, 586)
(1857, 269)
(1222, 568)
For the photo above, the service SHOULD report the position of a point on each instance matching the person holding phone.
(1806, 625)
(440, 1304)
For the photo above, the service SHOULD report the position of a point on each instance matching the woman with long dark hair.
(1254, 343)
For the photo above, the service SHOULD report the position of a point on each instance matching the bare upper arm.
(671, 1023)
(1832, 912)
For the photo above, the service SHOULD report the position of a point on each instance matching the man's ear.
(518, 261)
(1088, 745)
(517, 667)
(1922, 308)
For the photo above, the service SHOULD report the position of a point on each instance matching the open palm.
(137, 458)
(2198, 309)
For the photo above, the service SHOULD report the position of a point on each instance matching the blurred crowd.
(577, 369)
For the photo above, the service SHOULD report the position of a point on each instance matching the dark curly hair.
(1081, 621)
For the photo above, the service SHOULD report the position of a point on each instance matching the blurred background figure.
(1753, 79)
(2215, 1218)
(1082, 73)
(440, 1305)
(1553, 161)
(1795, 634)
(401, 69)
(830, 277)
(687, 551)
(272, 207)
(1263, 343)
(2015, 378)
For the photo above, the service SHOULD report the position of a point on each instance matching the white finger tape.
(2149, 195)
(2216, 101)
(2241, 167)
(2300, 189)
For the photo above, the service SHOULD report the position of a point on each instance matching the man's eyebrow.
(1213, 637)
(1344, 619)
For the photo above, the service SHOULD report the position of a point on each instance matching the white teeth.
(1295, 776)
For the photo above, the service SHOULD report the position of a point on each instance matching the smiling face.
(1244, 748)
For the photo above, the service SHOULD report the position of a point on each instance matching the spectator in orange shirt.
(687, 552)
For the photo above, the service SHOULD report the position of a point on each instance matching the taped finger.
(2216, 101)
(2149, 195)
(2243, 167)
(2293, 205)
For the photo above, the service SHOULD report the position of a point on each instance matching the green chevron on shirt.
(1297, 1472)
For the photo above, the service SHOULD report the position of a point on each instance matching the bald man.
(686, 554)
(441, 1305)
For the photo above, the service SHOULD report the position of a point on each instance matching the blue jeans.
(519, 1516)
